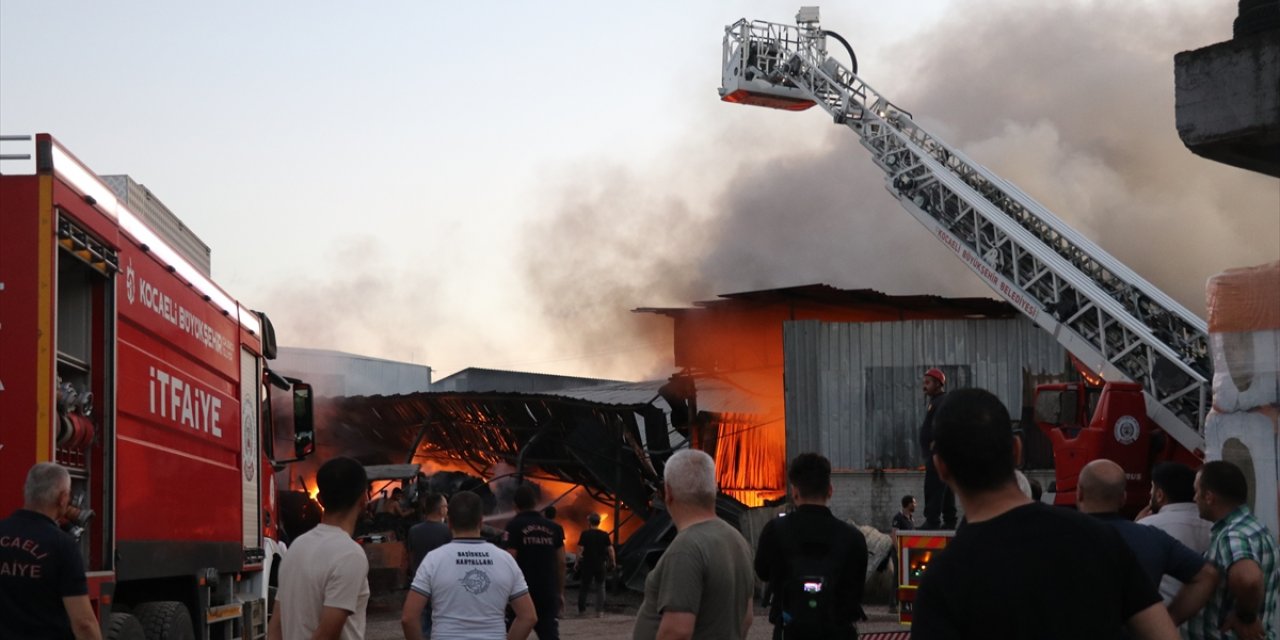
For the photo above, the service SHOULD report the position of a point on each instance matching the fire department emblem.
(128, 281)
(249, 433)
(1127, 429)
(475, 581)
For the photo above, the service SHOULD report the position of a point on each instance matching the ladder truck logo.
(1127, 429)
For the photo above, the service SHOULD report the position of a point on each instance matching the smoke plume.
(1072, 102)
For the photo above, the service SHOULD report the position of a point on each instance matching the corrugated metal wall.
(853, 389)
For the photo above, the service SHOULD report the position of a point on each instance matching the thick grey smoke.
(368, 304)
(1074, 103)
(613, 245)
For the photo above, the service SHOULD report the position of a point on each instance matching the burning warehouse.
(761, 376)
(598, 449)
(838, 372)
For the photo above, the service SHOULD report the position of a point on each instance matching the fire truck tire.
(122, 626)
(166, 620)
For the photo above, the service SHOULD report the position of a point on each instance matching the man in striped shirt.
(1244, 604)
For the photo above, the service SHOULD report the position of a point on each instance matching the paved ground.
(384, 620)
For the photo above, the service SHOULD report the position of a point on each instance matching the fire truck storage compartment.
(84, 296)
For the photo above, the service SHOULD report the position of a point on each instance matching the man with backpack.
(815, 564)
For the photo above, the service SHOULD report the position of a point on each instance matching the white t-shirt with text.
(469, 582)
(323, 568)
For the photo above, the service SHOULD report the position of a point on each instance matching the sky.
(498, 184)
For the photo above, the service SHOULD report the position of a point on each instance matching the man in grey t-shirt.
(702, 585)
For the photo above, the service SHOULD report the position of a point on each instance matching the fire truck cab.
(1086, 422)
(127, 365)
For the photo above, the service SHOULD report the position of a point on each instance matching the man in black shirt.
(594, 550)
(425, 537)
(1020, 569)
(905, 520)
(538, 546)
(43, 591)
(815, 564)
(939, 501)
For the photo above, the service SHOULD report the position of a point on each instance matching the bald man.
(1100, 492)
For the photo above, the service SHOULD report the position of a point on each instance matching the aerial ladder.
(1115, 324)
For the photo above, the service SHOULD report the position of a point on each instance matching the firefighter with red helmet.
(939, 502)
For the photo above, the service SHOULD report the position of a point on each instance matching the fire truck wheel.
(165, 620)
(122, 626)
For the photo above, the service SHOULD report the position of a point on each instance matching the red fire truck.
(126, 364)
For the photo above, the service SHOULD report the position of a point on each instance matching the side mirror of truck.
(304, 429)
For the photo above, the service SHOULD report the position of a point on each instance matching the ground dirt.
(618, 620)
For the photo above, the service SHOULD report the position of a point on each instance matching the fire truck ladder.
(1116, 323)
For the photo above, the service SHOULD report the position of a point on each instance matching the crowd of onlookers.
(1196, 564)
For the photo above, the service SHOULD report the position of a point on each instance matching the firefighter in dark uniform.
(939, 502)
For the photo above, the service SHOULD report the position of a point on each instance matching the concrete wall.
(872, 497)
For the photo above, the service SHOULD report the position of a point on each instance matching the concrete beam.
(1228, 102)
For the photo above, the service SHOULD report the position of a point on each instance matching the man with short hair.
(595, 557)
(1020, 569)
(939, 501)
(324, 578)
(1173, 510)
(1244, 550)
(425, 537)
(43, 591)
(1100, 492)
(468, 583)
(905, 520)
(538, 547)
(702, 585)
(815, 563)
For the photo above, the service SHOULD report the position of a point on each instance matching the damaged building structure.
(761, 376)
(839, 371)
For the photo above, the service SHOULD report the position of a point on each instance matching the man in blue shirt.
(1100, 492)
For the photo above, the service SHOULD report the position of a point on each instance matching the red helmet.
(938, 375)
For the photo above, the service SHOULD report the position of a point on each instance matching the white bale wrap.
(1248, 439)
(1244, 337)
(1246, 369)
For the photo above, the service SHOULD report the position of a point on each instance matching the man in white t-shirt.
(1173, 510)
(324, 577)
(468, 584)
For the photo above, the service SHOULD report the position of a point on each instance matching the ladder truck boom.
(1112, 320)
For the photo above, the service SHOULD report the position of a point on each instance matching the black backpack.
(805, 604)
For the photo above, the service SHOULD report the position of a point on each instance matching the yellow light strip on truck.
(44, 320)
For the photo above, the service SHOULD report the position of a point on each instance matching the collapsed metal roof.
(610, 449)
